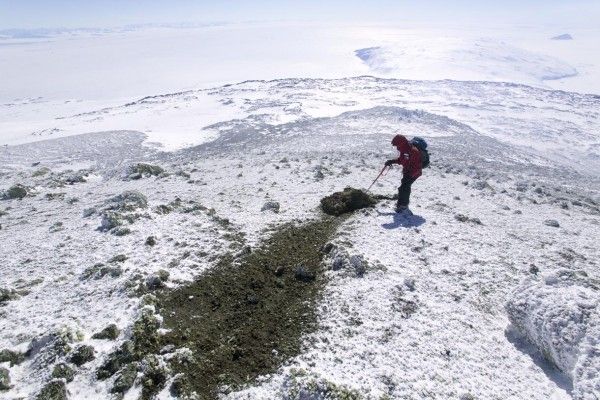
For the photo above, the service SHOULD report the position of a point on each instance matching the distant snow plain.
(51, 74)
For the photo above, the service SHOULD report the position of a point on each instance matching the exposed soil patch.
(242, 320)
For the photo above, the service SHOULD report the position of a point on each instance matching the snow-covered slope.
(418, 312)
(561, 126)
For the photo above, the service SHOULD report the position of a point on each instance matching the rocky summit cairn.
(347, 201)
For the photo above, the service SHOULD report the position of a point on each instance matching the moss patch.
(244, 319)
(346, 201)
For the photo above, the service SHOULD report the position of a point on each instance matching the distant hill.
(564, 36)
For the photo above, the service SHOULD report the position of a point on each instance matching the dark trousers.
(404, 191)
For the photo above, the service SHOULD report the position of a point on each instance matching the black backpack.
(421, 144)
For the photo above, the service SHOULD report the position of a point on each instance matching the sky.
(31, 14)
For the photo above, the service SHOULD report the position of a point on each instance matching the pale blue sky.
(110, 13)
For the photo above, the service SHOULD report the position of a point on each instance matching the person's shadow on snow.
(402, 220)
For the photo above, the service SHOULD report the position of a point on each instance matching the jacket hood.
(401, 143)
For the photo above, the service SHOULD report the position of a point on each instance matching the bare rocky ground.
(115, 255)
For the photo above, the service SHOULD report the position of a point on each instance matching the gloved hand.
(389, 163)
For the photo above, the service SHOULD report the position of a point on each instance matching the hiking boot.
(402, 209)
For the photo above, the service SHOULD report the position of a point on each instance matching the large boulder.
(559, 315)
(346, 201)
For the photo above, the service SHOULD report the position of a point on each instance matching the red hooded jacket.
(410, 157)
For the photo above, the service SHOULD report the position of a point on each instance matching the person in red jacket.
(410, 159)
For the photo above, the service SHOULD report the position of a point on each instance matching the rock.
(75, 178)
(144, 333)
(155, 375)
(558, 314)
(63, 371)
(157, 280)
(56, 227)
(461, 218)
(124, 355)
(99, 271)
(119, 258)
(54, 196)
(40, 172)
(346, 201)
(163, 209)
(149, 300)
(11, 357)
(327, 247)
(125, 379)
(4, 379)
(280, 270)
(150, 241)
(54, 390)
(121, 231)
(88, 212)
(464, 218)
(339, 262)
(82, 354)
(303, 274)
(44, 350)
(533, 269)
(359, 265)
(111, 332)
(142, 170)
(111, 220)
(129, 200)
(271, 206)
(552, 222)
(521, 186)
(17, 191)
(480, 185)
(178, 386)
(7, 295)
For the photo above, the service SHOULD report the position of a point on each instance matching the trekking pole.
(378, 176)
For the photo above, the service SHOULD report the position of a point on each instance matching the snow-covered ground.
(490, 291)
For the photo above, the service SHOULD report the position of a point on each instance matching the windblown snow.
(488, 291)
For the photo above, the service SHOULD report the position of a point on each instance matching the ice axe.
(378, 176)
